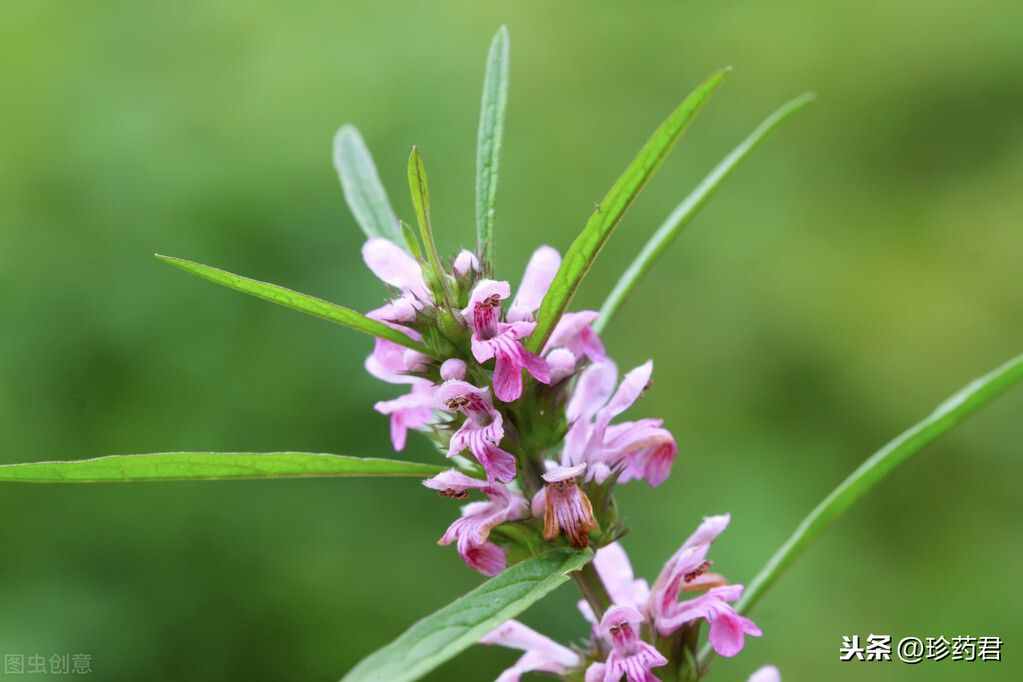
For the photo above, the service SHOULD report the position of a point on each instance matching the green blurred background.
(863, 264)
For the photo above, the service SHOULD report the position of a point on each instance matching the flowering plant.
(529, 410)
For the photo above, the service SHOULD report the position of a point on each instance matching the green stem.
(593, 589)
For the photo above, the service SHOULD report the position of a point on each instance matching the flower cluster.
(617, 649)
(537, 437)
(475, 402)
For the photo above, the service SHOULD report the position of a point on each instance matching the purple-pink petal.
(766, 674)
(452, 369)
(465, 262)
(632, 386)
(542, 653)
(561, 362)
(393, 265)
(574, 332)
(411, 411)
(728, 630)
(540, 271)
(615, 569)
(593, 389)
(453, 481)
(487, 559)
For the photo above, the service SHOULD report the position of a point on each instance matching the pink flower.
(615, 571)
(411, 411)
(482, 430)
(542, 653)
(395, 364)
(452, 368)
(687, 570)
(630, 656)
(492, 338)
(394, 266)
(566, 508)
(766, 674)
(727, 628)
(390, 361)
(471, 532)
(465, 263)
(640, 449)
(574, 332)
(561, 362)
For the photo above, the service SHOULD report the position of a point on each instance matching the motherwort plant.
(530, 414)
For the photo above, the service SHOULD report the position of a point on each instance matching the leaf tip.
(804, 99)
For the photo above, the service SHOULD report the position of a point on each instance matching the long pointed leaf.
(690, 206)
(420, 190)
(444, 633)
(947, 415)
(362, 188)
(587, 245)
(195, 466)
(488, 145)
(296, 301)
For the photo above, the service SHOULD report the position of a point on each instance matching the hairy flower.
(502, 340)
(686, 570)
(566, 508)
(394, 266)
(615, 571)
(630, 656)
(482, 430)
(471, 532)
(639, 449)
(413, 410)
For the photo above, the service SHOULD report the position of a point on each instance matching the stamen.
(697, 572)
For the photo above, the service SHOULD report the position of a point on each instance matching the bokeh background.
(862, 265)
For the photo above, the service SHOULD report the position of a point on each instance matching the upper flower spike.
(630, 656)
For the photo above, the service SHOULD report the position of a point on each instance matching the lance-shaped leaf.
(689, 207)
(296, 301)
(199, 466)
(583, 251)
(420, 189)
(945, 416)
(460, 624)
(488, 145)
(362, 188)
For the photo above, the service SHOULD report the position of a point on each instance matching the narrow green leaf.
(296, 301)
(420, 189)
(587, 245)
(444, 633)
(197, 466)
(412, 241)
(690, 206)
(488, 145)
(947, 415)
(362, 188)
